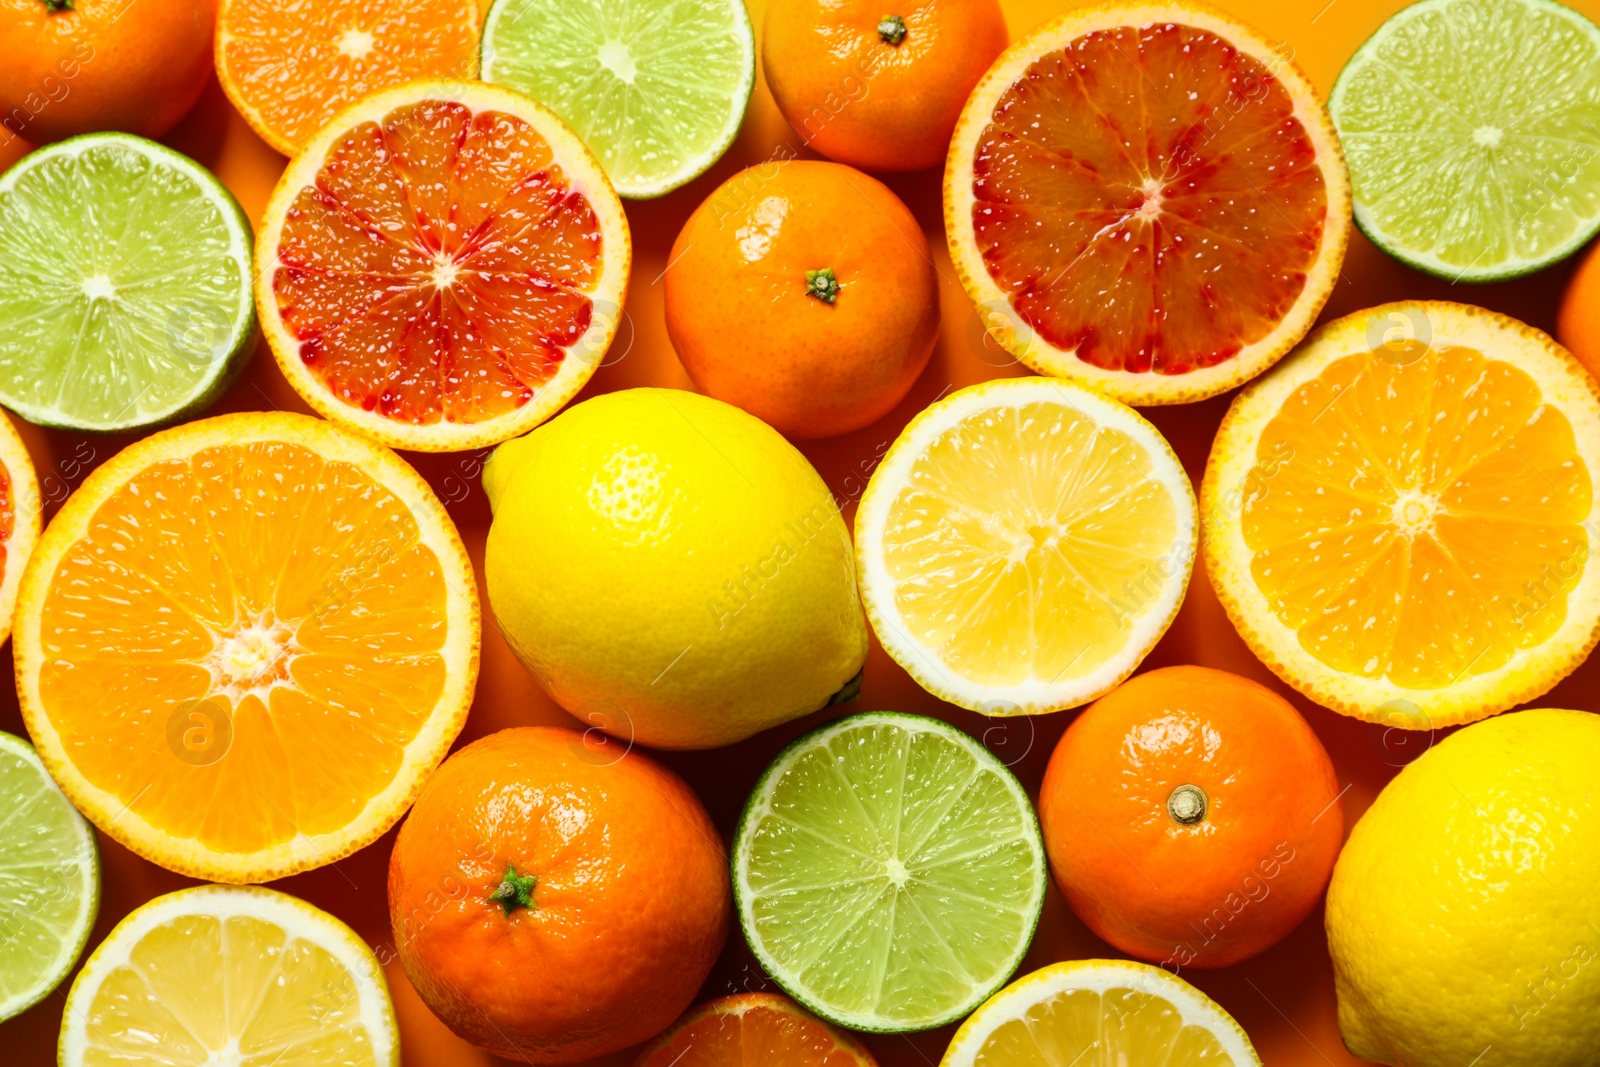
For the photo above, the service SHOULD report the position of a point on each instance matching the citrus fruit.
(888, 872)
(1578, 324)
(228, 974)
(1148, 198)
(1123, 1012)
(19, 518)
(1461, 912)
(1023, 544)
(92, 65)
(656, 88)
(1191, 816)
(874, 90)
(1398, 518)
(49, 880)
(1473, 135)
(748, 1028)
(289, 69)
(243, 642)
(837, 300)
(443, 266)
(706, 589)
(124, 285)
(556, 896)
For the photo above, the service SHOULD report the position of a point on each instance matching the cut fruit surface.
(243, 643)
(751, 1028)
(1400, 519)
(1473, 135)
(49, 880)
(1149, 198)
(124, 285)
(1100, 1011)
(290, 67)
(888, 872)
(1024, 544)
(229, 975)
(443, 267)
(19, 518)
(657, 88)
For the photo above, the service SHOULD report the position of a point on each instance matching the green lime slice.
(125, 285)
(49, 880)
(1472, 131)
(889, 872)
(656, 88)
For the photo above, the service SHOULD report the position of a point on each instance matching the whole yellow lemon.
(672, 570)
(1462, 916)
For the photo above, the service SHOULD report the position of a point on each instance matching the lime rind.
(927, 949)
(657, 90)
(49, 880)
(1472, 133)
(125, 285)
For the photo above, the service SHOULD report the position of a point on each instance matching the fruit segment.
(1163, 170)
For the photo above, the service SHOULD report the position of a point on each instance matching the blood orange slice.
(443, 267)
(1148, 198)
(19, 518)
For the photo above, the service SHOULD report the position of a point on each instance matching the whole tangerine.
(804, 293)
(1578, 323)
(556, 898)
(1191, 817)
(874, 90)
(78, 66)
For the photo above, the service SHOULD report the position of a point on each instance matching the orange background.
(1284, 998)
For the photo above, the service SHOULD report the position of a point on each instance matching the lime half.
(1472, 131)
(889, 872)
(125, 295)
(49, 880)
(656, 88)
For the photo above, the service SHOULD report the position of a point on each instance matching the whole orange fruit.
(1578, 325)
(91, 65)
(804, 293)
(1191, 817)
(556, 898)
(878, 90)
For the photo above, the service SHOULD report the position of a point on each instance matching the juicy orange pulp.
(436, 269)
(267, 616)
(1417, 514)
(292, 66)
(8, 516)
(753, 1028)
(1147, 197)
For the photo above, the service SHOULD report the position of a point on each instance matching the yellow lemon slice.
(1125, 1012)
(1024, 544)
(1400, 519)
(227, 975)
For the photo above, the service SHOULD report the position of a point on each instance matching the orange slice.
(1148, 198)
(759, 1028)
(443, 267)
(289, 68)
(19, 518)
(244, 642)
(1400, 519)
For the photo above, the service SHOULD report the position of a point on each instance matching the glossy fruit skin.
(1461, 912)
(764, 1028)
(1226, 887)
(672, 570)
(747, 328)
(858, 99)
(102, 65)
(630, 908)
(1578, 323)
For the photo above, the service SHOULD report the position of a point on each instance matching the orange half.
(749, 1028)
(290, 67)
(443, 267)
(19, 517)
(244, 642)
(1147, 198)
